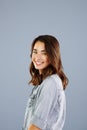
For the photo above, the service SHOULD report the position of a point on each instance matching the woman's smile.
(38, 63)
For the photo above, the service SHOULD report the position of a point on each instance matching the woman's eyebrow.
(40, 50)
(34, 49)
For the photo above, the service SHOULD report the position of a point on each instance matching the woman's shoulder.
(53, 80)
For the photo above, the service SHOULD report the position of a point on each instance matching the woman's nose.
(38, 56)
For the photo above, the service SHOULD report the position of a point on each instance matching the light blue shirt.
(46, 107)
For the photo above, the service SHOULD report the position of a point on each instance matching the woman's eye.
(44, 53)
(41, 53)
(34, 52)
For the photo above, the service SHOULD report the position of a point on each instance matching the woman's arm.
(33, 127)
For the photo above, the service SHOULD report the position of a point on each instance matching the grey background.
(20, 22)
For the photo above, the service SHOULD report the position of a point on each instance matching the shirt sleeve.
(46, 100)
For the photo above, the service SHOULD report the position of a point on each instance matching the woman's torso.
(49, 112)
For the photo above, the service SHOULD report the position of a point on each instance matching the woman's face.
(39, 56)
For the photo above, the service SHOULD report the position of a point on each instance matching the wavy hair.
(52, 48)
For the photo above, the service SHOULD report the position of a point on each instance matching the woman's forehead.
(39, 45)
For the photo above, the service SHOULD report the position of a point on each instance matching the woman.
(46, 108)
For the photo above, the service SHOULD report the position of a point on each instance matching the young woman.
(46, 107)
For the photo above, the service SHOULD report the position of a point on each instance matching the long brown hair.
(53, 51)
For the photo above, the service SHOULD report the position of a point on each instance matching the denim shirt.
(46, 107)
